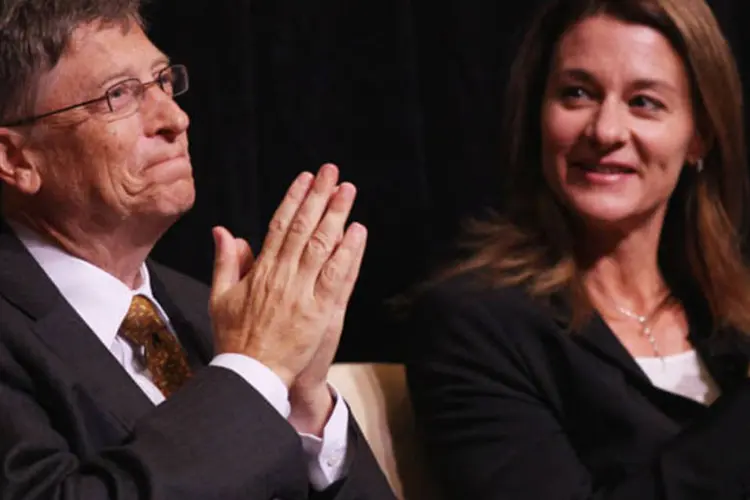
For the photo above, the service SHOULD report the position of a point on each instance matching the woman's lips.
(604, 173)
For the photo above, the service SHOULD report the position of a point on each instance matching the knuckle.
(331, 274)
(319, 244)
(299, 226)
(277, 225)
(344, 256)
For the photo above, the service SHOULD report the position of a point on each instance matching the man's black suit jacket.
(74, 425)
(515, 406)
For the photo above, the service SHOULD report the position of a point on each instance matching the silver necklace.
(644, 321)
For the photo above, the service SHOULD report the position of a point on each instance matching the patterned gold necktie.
(164, 356)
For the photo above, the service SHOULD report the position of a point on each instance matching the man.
(115, 381)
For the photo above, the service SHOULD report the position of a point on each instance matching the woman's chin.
(605, 214)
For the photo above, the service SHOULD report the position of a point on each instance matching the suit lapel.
(24, 283)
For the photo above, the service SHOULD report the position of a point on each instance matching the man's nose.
(162, 114)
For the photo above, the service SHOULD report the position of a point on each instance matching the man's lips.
(167, 159)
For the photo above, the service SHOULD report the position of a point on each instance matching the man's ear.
(17, 166)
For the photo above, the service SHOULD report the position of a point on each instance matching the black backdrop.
(404, 95)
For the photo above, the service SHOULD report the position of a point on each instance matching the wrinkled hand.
(310, 397)
(280, 311)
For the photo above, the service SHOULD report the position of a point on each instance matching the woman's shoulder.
(476, 288)
(473, 298)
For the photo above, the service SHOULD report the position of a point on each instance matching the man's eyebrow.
(129, 72)
(160, 63)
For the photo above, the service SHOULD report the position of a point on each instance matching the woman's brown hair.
(532, 245)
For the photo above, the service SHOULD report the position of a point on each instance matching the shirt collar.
(99, 298)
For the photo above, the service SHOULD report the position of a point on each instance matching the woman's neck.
(625, 272)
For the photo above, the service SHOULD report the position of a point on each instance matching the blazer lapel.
(726, 354)
(598, 338)
(24, 283)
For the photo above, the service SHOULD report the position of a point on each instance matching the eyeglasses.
(126, 96)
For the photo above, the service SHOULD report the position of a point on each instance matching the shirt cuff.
(328, 459)
(258, 375)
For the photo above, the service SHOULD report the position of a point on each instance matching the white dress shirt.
(102, 301)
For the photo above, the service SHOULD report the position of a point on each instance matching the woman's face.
(617, 122)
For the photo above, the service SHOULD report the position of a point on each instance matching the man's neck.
(115, 252)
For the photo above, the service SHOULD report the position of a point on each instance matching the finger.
(245, 255)
(336, 270)
(345, 292)
(226, 264)
(310, 212)
(327, 236)
(284, 214)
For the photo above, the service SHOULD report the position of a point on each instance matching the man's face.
(106, 168)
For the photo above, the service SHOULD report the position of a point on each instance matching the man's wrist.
(311, 408)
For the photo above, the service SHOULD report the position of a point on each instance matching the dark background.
(404, 95)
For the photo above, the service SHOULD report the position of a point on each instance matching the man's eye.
(118, 92)
(166, 82)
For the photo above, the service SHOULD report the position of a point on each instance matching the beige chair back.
(378, 398)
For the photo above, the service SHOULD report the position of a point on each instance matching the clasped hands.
(285, 308)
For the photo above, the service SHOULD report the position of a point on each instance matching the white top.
(103, 301)
(683, 374)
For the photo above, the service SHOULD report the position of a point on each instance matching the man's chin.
(174, 203)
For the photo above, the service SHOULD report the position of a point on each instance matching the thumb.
(245, 256)
(226, 262)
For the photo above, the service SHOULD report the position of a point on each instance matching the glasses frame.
(106, 97)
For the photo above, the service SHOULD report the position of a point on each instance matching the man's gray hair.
(34, 35)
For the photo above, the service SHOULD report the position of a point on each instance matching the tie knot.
(142, 321)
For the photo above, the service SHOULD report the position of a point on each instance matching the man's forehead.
(99, 50)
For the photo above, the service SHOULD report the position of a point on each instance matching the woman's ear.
(699, 146)
(17, 167)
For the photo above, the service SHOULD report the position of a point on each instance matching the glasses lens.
(174, 80)
(124, 95)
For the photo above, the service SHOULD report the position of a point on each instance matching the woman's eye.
(574, 93)
(646, 102)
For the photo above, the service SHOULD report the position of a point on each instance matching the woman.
(593, 345)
